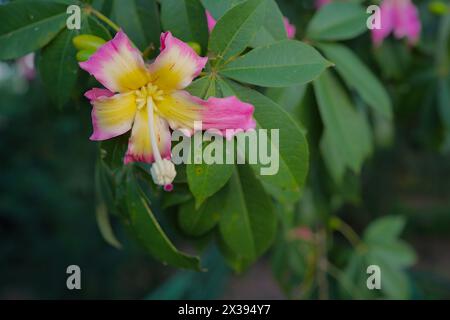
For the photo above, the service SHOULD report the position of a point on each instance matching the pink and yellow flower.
(150, 100)
(290, 28)
(400, 17)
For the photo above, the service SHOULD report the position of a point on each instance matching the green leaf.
(273, 28)
(218, 8)
(59, 68)
(289, 97)
(105, 200)
(140, 21)
(197, 222)
(104, 225)
(347, 137)
(149, 232)
(396, 253)
(29, 25)
(337, 21)
(281, 64)
(234, 31)
(206, 179)
(443, 98)
(248, 222)
(394, 281)
(292, 147)
(358, 76)
(186, 19)
(385, 229)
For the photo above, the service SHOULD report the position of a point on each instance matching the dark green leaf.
(140, 21)
(186, 19)
(149, 232)
(59, 68)
(29, 25)
(197, 222)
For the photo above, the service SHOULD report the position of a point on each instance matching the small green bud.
(334, 223)
(438, 8)
(84, 55)
(87, 42)
(194, 45)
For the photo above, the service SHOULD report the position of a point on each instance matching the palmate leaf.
(383, 248)
(29, 25)
(234, 31)
(147, 229)
(281, 64)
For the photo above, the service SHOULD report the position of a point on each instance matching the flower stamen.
(163, 170)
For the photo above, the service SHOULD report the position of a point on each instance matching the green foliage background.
(375, 185)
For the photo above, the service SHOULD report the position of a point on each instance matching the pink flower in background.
(302, 233)
(150, 100)
(321, 3)
(211, 21)
(290, 29)
(26, 66)
(400, 17)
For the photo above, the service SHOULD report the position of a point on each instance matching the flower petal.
(181, 110)
(407, 22)
(117, 65)
(387, 20)
(112, 116)
(139, 145)
(177, 64)
(290, 28)
(211, 21)
(96, 93)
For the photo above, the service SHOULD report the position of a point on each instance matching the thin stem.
(151, 129)
(105, 19)
(442, 44)
(348, 232)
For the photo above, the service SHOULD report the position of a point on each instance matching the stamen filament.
(151, 129)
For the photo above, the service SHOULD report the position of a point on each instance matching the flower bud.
(87, 42)
(197, 48)
(84, 55)
(438, 8)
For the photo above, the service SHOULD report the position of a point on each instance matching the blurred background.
(47, 197)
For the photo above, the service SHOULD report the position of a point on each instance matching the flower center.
(163, 170)
(148, 91)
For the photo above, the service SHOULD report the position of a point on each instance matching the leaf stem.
(105, 19)
(347, 232)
